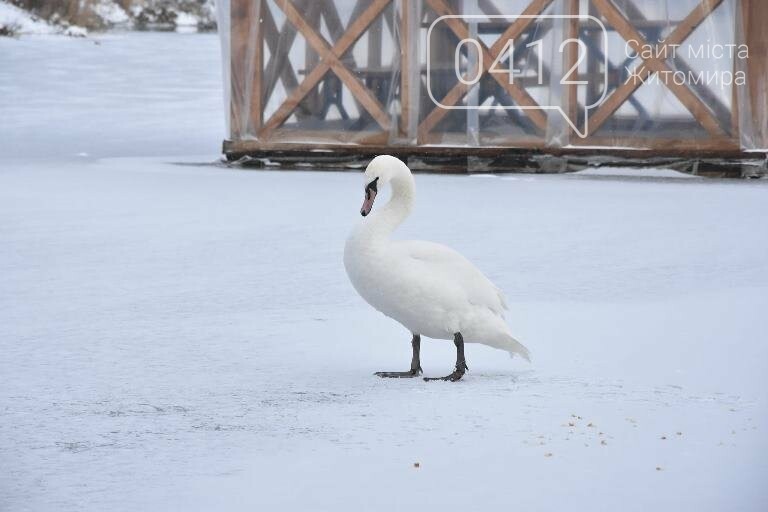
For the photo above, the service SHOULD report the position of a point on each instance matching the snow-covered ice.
(181, 336)
(125, 94)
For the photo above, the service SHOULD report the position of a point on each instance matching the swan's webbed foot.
(457, 374)
(461, 363)
(415, 372)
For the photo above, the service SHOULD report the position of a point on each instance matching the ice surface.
(183, 337)
(121, 94)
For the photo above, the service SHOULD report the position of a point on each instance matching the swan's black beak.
(370, 195)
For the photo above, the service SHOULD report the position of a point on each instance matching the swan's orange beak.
(370, 195)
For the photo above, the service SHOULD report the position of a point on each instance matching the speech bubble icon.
(498, 60)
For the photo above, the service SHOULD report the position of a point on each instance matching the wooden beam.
(256, 57)
(373, 143)
(570, 59)
(650, 66)
(238, 48)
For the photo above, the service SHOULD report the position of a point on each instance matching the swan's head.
(379, 172)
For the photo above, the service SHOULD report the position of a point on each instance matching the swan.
(430, 289)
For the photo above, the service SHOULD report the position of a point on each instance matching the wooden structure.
(336, 81)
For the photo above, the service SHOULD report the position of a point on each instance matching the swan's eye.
(371, 186)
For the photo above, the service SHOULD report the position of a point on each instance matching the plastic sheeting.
(485, 73)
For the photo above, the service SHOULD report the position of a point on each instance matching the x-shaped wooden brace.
(279, 66)
(489, 56)
(654, 64)
(330, 60)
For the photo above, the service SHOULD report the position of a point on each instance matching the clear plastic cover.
(491, 73)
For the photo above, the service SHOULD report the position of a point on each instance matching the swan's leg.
(415, 362)
(461, 363)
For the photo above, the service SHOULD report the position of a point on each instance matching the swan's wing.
(447, 264)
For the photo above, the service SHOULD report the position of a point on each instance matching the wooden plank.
(518, 94)
(373, 143)
(647, 68)
(329, 57)
(713, 145)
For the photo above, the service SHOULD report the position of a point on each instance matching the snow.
(186, 19)
(110, 12)
(178, 335)
(25, 23)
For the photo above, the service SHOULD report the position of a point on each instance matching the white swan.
(430, 289)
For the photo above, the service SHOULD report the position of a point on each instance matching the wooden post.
(256, 57)
(238, 47)
(374, 44)
(755, 18)
(406, 26)
(311, 58)
(570, 57)
(594, 65)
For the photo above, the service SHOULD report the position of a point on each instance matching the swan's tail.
(513, 346)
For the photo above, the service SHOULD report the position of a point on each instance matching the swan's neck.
(381, 223)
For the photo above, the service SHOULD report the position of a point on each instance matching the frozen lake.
(121, 94)
(184, 337)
